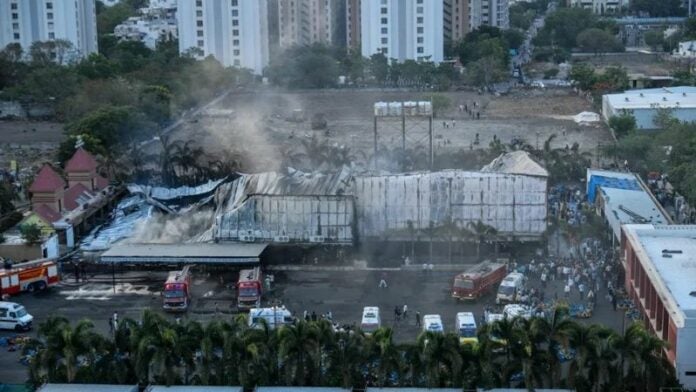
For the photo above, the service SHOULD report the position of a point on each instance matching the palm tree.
(441, 359)
(584, 340)
(345, 360)
(298, 345)
(384, 353)
(551, 334)
(62, 350)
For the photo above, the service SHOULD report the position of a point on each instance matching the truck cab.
(177, 291)
(14, 316)
(466, 328)
(249, 288)
(510, 288)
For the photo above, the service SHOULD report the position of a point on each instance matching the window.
(384, 41)
(235, 22)
(200, 43)
(419, 20)
(419, 10)
(385, 50)
(51, 35)
(384, 30)
(199, 33)
(235, 33)
(384, 2)
(419, 30)
(383, 11)
(236, 63)
(419, 2)
(419, 40)
(236, 52)
(15, 26)
(199, 3)
(199, 14)
(49, 15)
(420, 49)
(16, 35)
(384, 20)
(13, 6)
(199, 23)
(49, 6)
(15, 16)
(234, 3)
(235, 13)
(235, 42)
(50, 25)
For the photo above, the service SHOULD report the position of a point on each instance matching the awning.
(194, 253)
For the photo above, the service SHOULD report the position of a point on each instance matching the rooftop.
(81, 161)
(203, 253)
(76, 195)
(678, 272)
(47, 180)
(671, 97)
(48, 214)
(516, 162)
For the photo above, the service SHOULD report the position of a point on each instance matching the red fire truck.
(177, 290)
(249, 288)
(30, 276)
(477, 280)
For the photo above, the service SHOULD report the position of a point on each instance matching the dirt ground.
(651, 64)
(29, 142)
(260, 126)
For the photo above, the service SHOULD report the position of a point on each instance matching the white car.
(433, 323)
(516, 310)
(14, 316)
(370, 319)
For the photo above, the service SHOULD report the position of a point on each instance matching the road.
(344, 293)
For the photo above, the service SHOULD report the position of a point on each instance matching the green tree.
(659, 8)
(596, 41)
(654, 39)
(583, 75)
(623, 125)
(563, 26)
(31, 233)
(441, 103)
(298, 345)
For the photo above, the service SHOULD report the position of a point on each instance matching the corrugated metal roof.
(87, 388)
(190, 388)
(516, 162)
(177, 253)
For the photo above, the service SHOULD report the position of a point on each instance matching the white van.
(14, 316)
(510, 288)
(370, 319)
(433, 323)
(275, 317)
(466, 328)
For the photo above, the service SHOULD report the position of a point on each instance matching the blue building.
(644, 104)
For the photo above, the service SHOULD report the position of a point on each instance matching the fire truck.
(30, 276)
(177, 290)
(249, 288)
(477, 280)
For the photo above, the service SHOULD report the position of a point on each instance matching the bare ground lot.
(29, 142)
(260, 127)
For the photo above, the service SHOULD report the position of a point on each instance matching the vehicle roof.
(466, 317)
(9, 304)
(249, 275)
(373, 309)
(480, 269)
(269, 311)
(176, 277)
(432, 317)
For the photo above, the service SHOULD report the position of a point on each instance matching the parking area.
(343, 293)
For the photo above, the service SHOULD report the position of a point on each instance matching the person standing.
(405, 311)
(418, 319)
(566, 290)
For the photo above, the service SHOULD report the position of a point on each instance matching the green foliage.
(7, 196)
(440, 103)
(109, 127)
(623, 125)
(304, 67)
(156, 350)
(31, 233)
(659, 8)
(597, 41)
(551, 73)
(584, 75)
(563, 26)
(521, 17)
(654, 38)
(109, 17)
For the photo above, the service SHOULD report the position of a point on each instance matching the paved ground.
(343, 293)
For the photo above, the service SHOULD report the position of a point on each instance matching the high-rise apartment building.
(403, 29)
(456, 19)
(235, 32)
(27, 21)
(493, 13)
(600, 7)
(353, 23)
(304, 22)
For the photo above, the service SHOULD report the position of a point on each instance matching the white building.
(304, 22)
(27, 21)
(403, 29)
(644, 104)
(660, 278)
(493, 13)
(155, 22)
(600, 7)
(235, 32)
(687, 49)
